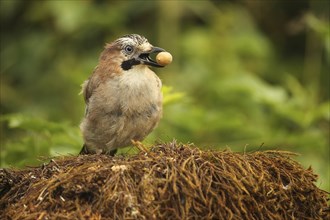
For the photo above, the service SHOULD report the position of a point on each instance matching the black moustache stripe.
(128, 64)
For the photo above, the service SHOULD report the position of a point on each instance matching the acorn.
(164, 58)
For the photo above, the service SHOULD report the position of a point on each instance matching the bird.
(123, 96)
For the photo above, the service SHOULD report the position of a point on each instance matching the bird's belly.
(130, 126)
(117, 127)
(140, 124)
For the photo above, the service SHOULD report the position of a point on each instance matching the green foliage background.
(249, 75)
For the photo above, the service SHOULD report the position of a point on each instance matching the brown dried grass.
(170, 181)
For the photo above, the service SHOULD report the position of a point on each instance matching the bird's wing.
(88, 86)
(87, 89)
(86, 93)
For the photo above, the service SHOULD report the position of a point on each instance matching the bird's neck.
(137, 77)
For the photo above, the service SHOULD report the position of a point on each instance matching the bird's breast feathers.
(134, 90)
(140, 78)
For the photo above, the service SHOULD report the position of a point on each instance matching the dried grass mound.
(170, 181)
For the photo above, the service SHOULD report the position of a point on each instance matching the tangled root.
(170, 181)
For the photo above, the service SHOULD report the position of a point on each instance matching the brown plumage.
(123, 96)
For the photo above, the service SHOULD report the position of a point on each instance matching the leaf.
(169, 96)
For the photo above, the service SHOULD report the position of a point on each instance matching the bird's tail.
(84, 150)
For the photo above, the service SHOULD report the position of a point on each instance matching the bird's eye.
(128, 49)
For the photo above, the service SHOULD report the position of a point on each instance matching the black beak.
(145, 57)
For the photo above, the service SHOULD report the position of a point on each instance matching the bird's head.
(131, 50)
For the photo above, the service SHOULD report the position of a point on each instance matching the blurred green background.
(248, 75)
